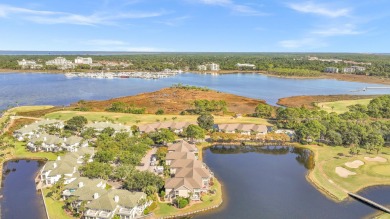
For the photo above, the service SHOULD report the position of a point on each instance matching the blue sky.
(196, 25)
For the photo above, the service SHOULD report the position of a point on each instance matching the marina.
(111, 75)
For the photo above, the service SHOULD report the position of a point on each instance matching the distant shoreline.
(340, 77)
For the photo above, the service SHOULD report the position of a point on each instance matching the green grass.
(55, 208)
(165, 209)
(21, 151)
(341, 106)
(328, 158)
(131, 119)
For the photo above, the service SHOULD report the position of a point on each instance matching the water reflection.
(304, 156)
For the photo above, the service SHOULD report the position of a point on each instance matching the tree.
(159, 112)
(163, 136)
(96, 170)
(76, 123)
(104, 156)
(194, 132)
(143, 179)
(263, 111)
(206, 121)
(109, 131)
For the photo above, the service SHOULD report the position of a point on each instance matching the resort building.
(126, 204)
(61, 63)
(245, 66)
(27, 131)
(65, 166)
(244, 129)
(190, 177)
(84, 61)
(354, 69)
(331, 70)
(213, 67)
(202, 67)
(176, 127)
(100, 126)
(29, 64)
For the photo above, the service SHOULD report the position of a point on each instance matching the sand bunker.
(354, 164)
(376, 159)
(342, 172)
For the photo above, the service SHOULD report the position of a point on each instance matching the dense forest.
(297, 64)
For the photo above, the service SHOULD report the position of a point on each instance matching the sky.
(361, 26)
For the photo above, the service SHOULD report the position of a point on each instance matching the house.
(61, 63)
(100, 126)
(84, 190)
(213, 67)
(202, 67)
(176, 165)
(72, 143)
(120, 202)
(177, 127)
(27, 131)
(244, 129)
(178, 156)
(183, 146)
(331, 70)
(188, 182)
(45, 142)
(65, 166)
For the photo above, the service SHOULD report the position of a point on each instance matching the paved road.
(146, 161)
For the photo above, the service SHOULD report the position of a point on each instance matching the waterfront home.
(83, 61)
(53, 143)
(120, 202)
(182, 146)
(245, 65)
(178, 156)
(27, 131)
(244, 129)
(61, 63)
(188, 182)
(176, 127)
(331, 70)
(84, 190)
(100, 126)
(176, 165)
(65, 166)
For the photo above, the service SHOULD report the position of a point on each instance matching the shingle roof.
(186, 163)
(182, 146)
(159, 125)
(107, 200)
(242, 127)
(179, 155)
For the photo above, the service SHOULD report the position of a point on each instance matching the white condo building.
(85, 61)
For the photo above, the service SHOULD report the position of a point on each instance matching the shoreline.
(340, 77)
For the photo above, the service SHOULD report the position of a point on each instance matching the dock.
(369, 202)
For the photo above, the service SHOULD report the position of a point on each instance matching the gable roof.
(182, 146)
(106, 201)
(186, 163)
(179, 155)
(242, 127)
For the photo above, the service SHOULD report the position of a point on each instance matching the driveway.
(146, 161)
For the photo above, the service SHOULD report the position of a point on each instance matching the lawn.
(341, 106)
(164, 210)
(328, 158)
(134, 119)
(21, 152)
(55, 208)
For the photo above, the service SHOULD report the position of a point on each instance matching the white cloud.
(56, 17)
(307, 43)
(347, 29)
(320, 9)
(174, 21)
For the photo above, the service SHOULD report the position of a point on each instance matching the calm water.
(20, 199)
(270, 183)
(56, 89)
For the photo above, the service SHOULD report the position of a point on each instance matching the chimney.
(95, 195)
(81, 184)
(116, 198)
(64, 139)
(44, 138)
(55, 165)
(58, 158)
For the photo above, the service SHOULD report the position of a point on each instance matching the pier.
(369, 202)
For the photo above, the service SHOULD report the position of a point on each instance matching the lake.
(56, 89)
(269, 182)
(20, 198)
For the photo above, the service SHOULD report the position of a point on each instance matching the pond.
(19, 196)
(269, 182)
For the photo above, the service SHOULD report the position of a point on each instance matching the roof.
(159, 125)
(35, 126)
(106, 201)
(189, 183)
(196, 173)
(242, 127)
(75, 184)
(73, 140)
(186, 163)
(103, 125)
(182, 146)
(179, 155)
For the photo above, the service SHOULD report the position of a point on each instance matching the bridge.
(369, 202)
